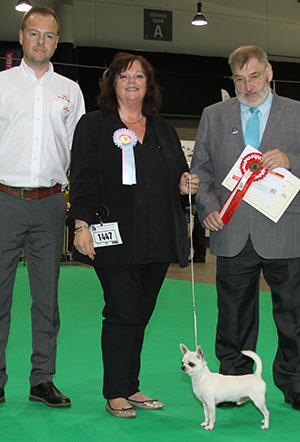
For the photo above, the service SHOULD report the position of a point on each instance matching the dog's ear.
(200, 353)
(183, 348)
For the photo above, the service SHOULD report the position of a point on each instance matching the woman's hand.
(189, 183)
(83, 241)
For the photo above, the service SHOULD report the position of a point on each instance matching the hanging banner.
(10, 57)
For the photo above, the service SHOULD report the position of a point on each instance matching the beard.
(261, 95)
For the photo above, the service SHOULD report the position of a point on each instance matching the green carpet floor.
(79, 372)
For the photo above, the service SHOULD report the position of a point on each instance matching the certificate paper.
(272, 195)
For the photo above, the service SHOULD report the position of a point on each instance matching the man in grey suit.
(251, 242)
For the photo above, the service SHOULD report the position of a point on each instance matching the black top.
(153, 231)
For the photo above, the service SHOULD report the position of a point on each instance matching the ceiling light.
(199, 19)
(23, 6)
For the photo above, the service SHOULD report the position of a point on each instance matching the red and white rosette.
(252, 170)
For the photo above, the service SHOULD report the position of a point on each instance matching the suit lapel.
(272, 123)
(235, 125)
(271, 126)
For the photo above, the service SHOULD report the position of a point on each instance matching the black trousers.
(199, 241)
(130, 296)
(238, 318)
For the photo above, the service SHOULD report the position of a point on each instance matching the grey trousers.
(38, 226)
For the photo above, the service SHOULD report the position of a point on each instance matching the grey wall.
(272, 24)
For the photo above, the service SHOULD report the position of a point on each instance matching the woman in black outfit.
(128, 168)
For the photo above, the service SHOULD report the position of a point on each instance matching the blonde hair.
(42, 10)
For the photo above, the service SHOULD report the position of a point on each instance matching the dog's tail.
(256, 358)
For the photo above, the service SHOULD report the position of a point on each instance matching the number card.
(106, 234)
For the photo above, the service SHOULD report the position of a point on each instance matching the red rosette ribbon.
(252, 170)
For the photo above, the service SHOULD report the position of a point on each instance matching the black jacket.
(96, 178)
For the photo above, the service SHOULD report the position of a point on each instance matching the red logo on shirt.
(63, 97)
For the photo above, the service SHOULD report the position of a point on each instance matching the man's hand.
(213, 221)
(275, 158)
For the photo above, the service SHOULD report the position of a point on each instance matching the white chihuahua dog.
(213, 388)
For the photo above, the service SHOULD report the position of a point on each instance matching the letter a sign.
(158, 25)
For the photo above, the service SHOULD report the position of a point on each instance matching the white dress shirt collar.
(29, 72)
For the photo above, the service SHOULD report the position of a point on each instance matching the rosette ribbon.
(252, 170)
(126, 139)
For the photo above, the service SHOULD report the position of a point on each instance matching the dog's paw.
(265, 426)
(204, 424)
(209, 427)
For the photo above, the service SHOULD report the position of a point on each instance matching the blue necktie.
(252, 132)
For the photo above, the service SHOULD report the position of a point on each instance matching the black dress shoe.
(49, 394)
(2, 396)
(227, 404)
(294, 399)
(199, 259)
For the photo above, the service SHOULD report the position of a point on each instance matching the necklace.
(133, 122)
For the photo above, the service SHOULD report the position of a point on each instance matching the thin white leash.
(192, 261)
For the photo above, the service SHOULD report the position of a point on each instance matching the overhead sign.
(158, 25)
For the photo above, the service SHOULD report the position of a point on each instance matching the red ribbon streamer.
(252, 170)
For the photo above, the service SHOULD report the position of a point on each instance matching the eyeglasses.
(254, 78)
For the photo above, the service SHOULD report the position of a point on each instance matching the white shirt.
(37, 122)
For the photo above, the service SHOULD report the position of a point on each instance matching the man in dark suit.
(251, 242)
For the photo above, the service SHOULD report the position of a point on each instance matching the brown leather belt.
(28, 193)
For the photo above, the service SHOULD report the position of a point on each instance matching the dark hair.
(242, 55)
(42, 10)
(107, 99)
